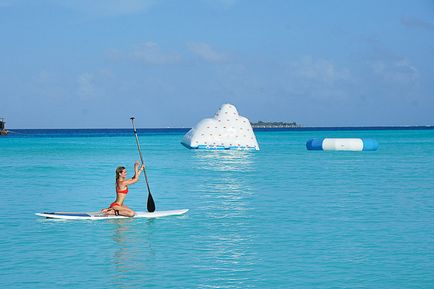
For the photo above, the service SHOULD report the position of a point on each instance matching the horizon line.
(260, 128)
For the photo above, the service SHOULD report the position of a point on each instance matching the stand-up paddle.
(151, 203)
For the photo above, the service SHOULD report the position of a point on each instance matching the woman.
(117, 207)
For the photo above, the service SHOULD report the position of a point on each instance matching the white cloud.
(399, 71)
(412, 22)
(43, 77)
(86, 87)
(319, 70)
(150, 53)
(206, 52)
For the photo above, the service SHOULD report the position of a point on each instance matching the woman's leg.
(131, 212)
(108, 211)
(122, 211)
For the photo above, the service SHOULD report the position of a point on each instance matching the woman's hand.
(137, 170)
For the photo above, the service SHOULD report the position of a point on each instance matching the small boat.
(3, 130)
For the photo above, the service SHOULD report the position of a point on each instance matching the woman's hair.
(118, 173)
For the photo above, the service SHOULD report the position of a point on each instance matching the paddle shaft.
(151, 203)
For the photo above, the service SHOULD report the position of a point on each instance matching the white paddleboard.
(101, 216)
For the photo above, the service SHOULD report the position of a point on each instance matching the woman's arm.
(136, 176)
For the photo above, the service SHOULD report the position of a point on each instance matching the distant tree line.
(274, 124)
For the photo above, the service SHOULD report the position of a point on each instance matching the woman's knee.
(128, 212)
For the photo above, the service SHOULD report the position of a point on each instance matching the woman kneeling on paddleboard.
(117, 207)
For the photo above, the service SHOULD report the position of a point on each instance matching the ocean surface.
(281, 217)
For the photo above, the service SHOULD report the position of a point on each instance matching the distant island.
(274, 124)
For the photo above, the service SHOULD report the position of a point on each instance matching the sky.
(94, 64)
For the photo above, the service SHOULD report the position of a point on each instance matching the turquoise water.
(283, 217)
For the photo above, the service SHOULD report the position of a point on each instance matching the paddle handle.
(137, 141)
(151, 203)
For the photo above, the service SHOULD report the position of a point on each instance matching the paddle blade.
(151, 204)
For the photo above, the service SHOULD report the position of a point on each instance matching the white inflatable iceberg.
(227, 130)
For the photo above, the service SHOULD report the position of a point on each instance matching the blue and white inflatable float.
(342, 144)
(227, 130)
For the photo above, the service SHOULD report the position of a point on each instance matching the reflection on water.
(122, 256)
(225, 193)
(228, 160)
(224, 186)
(130, 244)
